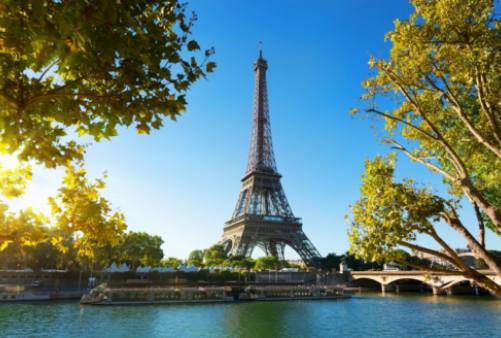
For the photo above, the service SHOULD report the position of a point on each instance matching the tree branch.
(48, 68)
(430, 165)
(486, 107)
(481, 225)
(420, 130)
(463, 179)
(419, 248)
(452, 99)
(423, 267)
(440, 139)
(455, 223)
(12, 102)
(452, 253)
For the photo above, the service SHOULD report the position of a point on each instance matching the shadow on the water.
(428, 298)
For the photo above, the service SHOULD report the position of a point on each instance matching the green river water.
(360, 316)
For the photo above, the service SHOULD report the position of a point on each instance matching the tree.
(214, 256)
(196, 258)
(329, 262)
(240, 262)
(267, 263)
(171, 262)
(443, 79)
(24, 229)
(443, 73)
(81, 212)
(390, 215)
(86, 68)
(12, 185)
(140, 249)
(26, 238)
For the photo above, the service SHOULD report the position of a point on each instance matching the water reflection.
(367, 315)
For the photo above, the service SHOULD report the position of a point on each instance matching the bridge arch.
(362, 282)
(410, 283)
(455, 282)
(374, 279)
(404, 278)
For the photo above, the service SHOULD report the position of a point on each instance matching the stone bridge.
(439, 282)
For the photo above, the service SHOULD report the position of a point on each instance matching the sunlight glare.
(9, 161)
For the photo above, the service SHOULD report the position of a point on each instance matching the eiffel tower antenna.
(263, 216)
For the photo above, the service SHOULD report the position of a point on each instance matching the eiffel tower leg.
(280, 251)
(273, 248)
(305, 249)
(265, 247)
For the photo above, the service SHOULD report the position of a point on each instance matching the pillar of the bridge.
(436, 290)
(397, 288)
(384, 288)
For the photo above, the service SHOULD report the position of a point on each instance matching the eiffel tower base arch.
(242, 238)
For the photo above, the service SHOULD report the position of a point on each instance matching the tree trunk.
(475, 246)
(492, 212)
(485, 282)
(479, 278)
(481, 226)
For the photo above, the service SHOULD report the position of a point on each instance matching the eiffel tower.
(262, 216)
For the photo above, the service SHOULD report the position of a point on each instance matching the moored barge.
(104, 295)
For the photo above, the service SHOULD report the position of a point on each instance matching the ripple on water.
(371, 316)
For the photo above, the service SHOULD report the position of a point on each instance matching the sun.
(9, 161)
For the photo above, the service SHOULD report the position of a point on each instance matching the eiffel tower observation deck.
(263, 216)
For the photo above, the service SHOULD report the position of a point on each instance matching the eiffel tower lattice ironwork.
(262, 216)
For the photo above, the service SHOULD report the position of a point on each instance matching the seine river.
(360, 316)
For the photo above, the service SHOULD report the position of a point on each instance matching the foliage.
(86, 232)
(140, 249)
(196, 258)
(443, 80)
(392, 214)
(80, 211)
(444, 77)
(329, 262)
(239, 262)
(267, 263)
(25, 228)
(88, 67)
(389, 213)
(13, 181)
(333, 261)
(172, 262)
(214, 256)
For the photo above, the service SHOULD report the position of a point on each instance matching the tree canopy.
(80, 211)
(214, 256)
(85, 68)
(196, 258)
(76, 71)
(171, 262)
(140, 249)
(267, 263)
(391, 214)
(442, 84)
(443, 75)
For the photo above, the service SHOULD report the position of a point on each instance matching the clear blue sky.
(182, 182)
